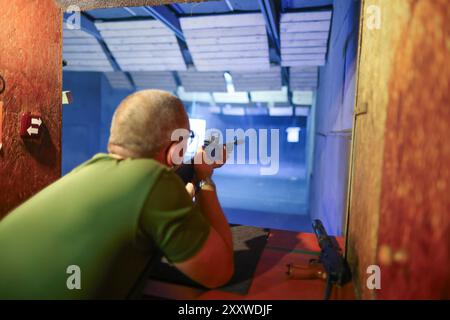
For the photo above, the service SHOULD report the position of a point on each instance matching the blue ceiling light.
(229, 82)
(229, 5)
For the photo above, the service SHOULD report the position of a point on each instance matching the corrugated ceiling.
(220, 36)
(83, 52)
(304, 38)
(163, 80)
(262, 80)
(227, 42)
(303, 78)
(195, 81)
(146, 45)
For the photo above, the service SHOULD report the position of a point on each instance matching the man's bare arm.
(211, 209)
(213, 265)
(207, 196)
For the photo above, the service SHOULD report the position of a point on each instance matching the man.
(92, 233)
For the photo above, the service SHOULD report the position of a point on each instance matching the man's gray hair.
(144, 121)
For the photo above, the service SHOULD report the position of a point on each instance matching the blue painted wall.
(86, 121)
(111, 98)
(81, 119)
(334, 108)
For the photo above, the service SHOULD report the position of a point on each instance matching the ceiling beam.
(286, 76)
(88, 26)
(272, 17)
(177, 8)
(168, 18)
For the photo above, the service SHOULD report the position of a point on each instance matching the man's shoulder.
(103, 160)
(104, 171)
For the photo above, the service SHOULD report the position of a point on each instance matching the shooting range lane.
(269, 280)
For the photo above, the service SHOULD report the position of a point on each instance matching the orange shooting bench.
(270, 281)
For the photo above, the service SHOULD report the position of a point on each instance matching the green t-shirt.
(106, 217)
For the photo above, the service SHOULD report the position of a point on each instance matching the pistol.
(331, 265)
(336, 267)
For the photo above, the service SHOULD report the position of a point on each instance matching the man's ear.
(169, 154)
(174, 154)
